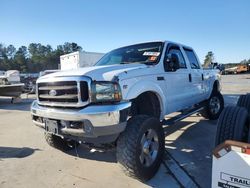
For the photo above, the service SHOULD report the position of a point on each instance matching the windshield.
(148, 53)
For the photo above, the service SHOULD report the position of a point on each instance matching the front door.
(178, 85)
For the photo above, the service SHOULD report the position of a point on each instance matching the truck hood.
(100, 73)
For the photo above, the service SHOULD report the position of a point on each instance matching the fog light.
(76, 125)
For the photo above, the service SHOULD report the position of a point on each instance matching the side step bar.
(182, 116)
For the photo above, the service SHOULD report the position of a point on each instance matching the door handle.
(202, 77)
(190, 77)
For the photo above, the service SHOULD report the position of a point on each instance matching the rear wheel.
(140, 147)
(214, 106)
(60, 143)
(233, 124)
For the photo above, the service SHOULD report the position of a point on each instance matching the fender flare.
(148, 86)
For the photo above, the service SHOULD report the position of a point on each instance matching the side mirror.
(172, 62)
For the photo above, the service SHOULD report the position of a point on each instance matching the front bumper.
(93, 122)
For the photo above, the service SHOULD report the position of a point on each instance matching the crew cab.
(123, 101)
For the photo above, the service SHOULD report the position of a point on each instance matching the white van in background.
(77, 60)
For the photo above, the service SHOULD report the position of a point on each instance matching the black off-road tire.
(244, 101)
(129, 147)
(233, 124)
(60, 143)
(207, 113)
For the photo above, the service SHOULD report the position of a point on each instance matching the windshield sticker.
(151, 53)
(152, 58)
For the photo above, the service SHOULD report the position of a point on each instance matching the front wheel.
(140, 147)
(214, 106)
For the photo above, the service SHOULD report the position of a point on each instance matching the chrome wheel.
(149, 147)
(214, 105)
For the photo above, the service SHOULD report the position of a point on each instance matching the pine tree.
(209, 59)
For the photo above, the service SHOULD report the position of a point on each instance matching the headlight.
(105, 92)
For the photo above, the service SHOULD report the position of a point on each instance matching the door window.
(192, 59)
(176, 50)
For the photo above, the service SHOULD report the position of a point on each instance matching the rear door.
(178, 87)
(196, 75)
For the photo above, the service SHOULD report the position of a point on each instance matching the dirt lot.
(27, 161)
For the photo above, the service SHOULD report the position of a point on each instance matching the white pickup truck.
(124, 99)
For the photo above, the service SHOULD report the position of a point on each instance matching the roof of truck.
(165, 41)
(183, 45)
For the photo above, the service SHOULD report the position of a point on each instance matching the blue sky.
(222, 26)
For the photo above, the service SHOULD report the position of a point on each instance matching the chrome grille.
(63, 93)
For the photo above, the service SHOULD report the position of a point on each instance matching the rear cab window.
(192, 59)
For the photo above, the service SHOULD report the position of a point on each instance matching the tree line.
(37, 57)
(34, 58)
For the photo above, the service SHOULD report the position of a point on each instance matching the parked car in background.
(242, 68)
(237, 69)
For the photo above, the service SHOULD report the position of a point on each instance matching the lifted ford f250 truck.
(124, 99)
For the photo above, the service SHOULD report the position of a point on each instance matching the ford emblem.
(52, 92)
